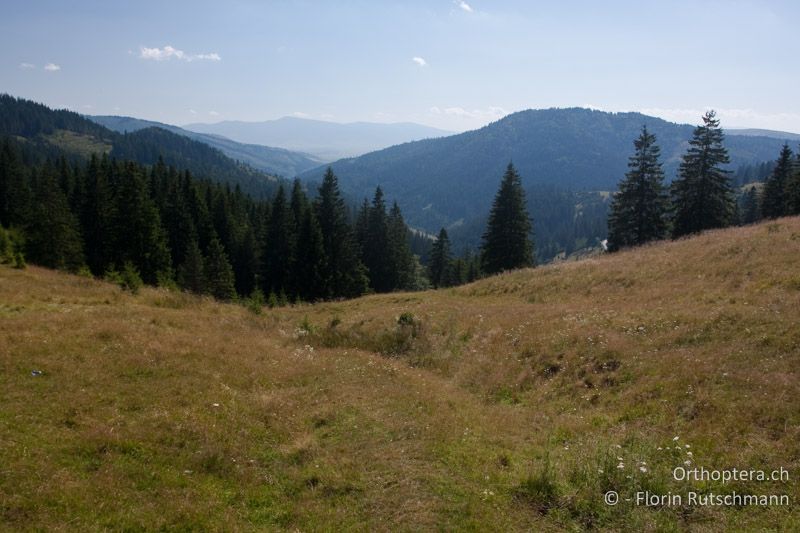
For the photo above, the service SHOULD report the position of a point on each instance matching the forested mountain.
(60, 132)
(327, 140)
(439, 182)
(274, 161)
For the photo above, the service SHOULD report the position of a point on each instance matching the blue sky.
(451, 64)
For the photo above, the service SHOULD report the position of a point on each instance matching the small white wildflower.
(621, 466)
(643, 468)
(214, 405)
(687, 463)
(660, 448)
(689, 454)
(675, 438)
(687, 446)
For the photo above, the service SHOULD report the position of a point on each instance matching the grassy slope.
(507, 404)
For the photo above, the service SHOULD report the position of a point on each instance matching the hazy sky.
(451, 64)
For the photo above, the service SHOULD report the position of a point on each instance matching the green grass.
(508, 404)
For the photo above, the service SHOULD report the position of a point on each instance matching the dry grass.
(505, 405)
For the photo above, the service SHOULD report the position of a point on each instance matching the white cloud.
(213, 113)
(732, 118)
(465, 6)
(490, 113)
(300, 114)
(192, 111)
(209, 57)
(169, 52)
(419, 61)
(52, 67)
(27, 66)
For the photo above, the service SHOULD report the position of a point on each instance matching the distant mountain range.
(52, 133)
(326, 140)
(755, 132)
(452, 180)
(275, 161)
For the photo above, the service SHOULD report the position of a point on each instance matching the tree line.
(114, 218)
(702, 197)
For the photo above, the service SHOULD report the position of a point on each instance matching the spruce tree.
(16, 196)
(96, 217)
(701, 196)
(218, 272)
(52, 235)
(638, 210)
(139, 236)
(310, 263)
(402, 269)
(792, 189)
(191, 275)
(441, 261)
(749, 206)
(507, 242)
(774, 199)
(279, 247)
(344, 273)
(375, 251)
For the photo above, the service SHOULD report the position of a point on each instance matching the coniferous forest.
(124, 220)
(234, 235)
(702, 197)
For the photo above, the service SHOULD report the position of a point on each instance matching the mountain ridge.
(274, 161)
(455, 177)
(325, 139)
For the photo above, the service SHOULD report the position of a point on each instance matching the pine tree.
(52, 235)
(749, 206)
(638, 210)
(298, 203)
(375, 250)
(95, 215)
(139, 236)
(701, 196)
(792, 189)
(344, 274)
(507, 242)
(402, 266)
(16, 196)
(310, 264)
(218, 272)
(774, 199)
(441, 261)
(191, 276)
(279, 247)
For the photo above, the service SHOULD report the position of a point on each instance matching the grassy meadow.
(511, 404)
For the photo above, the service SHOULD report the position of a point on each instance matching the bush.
(129, 278)
(255, 302)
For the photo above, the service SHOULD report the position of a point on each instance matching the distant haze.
(326, 140)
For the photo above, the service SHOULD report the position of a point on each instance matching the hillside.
(510, 404)
(274, 161)
(438, 182)
(52, 133)
(326, 140)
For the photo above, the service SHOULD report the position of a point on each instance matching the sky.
(452, 64)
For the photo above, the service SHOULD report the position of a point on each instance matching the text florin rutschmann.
(708, 498)
(692, 498)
